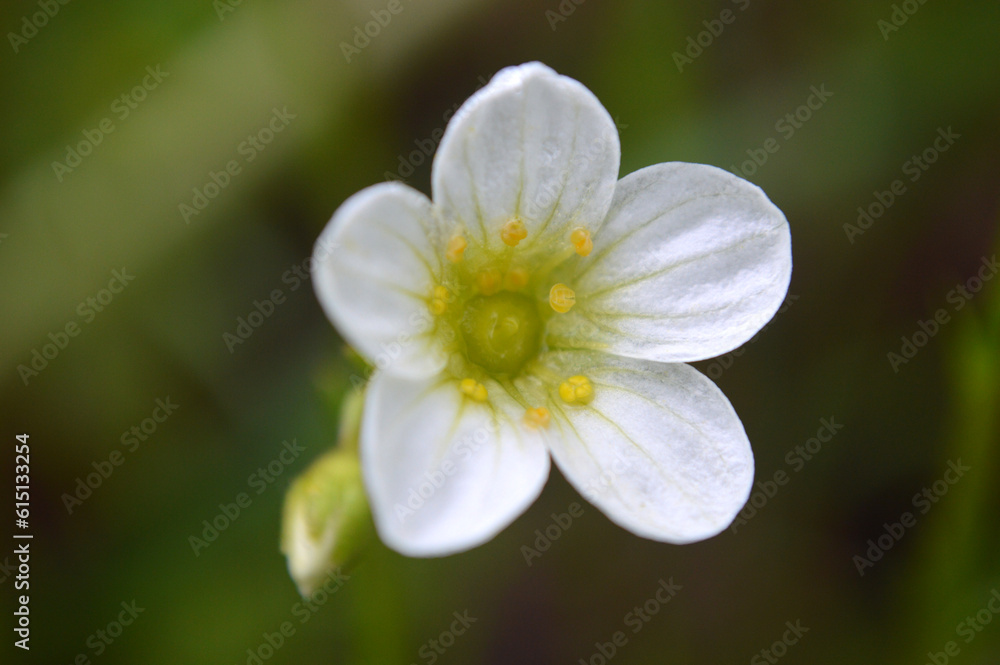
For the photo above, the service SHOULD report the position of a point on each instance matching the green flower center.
(502, 331)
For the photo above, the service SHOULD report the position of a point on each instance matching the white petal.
(374, 270)
(690, 264)
(445, 473)
(532, 144)
(659, 449)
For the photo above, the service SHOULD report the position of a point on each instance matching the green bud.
(326, 518)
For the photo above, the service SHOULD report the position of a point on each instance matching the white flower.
(539, 306)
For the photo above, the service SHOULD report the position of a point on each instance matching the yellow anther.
(516, 278)
(580, 237)
(474, 389)
(576, 389)
(456, 249)
(537, 417)
(562, 298)
(489, 281)
(513, 232)
(439, 303)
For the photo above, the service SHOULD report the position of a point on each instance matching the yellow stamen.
(489, 281)
(513, 232)
(537, 417)
(562, 298)
(439, 303)
(576, 389)
(516, 278)
(473, 389)
(456, 249)
(580, 238)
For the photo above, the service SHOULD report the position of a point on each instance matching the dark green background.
(825, 356)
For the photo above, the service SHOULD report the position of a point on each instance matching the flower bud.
(326, 519)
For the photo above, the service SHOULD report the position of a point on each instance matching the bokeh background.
(356, 118)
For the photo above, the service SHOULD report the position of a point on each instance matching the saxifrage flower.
(539, 307)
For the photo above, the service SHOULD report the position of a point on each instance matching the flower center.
(501, 331)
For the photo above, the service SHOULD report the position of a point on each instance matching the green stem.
(350, 420)
(956, 568)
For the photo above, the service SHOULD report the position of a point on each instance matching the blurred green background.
(225, 68)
